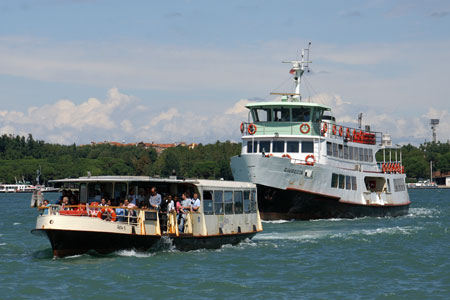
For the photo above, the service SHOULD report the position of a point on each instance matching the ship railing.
(350, 134)
(326, 129)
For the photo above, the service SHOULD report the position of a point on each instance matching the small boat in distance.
(17, 188)
(228, 214)
(307, 166)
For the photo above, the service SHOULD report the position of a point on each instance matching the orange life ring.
(242, 127)
(251, 129)
(286, 155)
(324, 128)
(108, 211)
(383, 167)
(302, 130)
(341, 131)
(334, 129)
(308, 162)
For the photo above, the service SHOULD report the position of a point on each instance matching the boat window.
(251, 146)
(341, 154)
(355, 153)
(317, 116)
(238, 205)
(350, 153)
(334, 180)
(97, 190)
(345, 152)
(366, 154)
(281, 115)
(247, 202)
(348, 183)
(264, 146)
(278, 146)
(208, 203)
(218, 202)
(301, 114)
(253, 202)
(262, 115)
(361, 154)
(120, 191)
(354, 187)
(83, 193)
(307, 147)
(329, 149)
(292, 147)
(388, 185)
(370, 155)
(341, 181)
(228, 199)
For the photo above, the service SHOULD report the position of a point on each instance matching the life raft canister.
(334, 129)
(304, 128)
(251, 129)
(308, 160)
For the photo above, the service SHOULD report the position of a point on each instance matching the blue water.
(368, 258)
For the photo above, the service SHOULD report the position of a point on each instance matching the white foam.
(17, 223)
(369, 232)
(423, 212)
(2, 244)
(278, 221)
(73, 256)
(133, 253)
(293, 236)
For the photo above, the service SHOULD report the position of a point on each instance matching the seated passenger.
(103, 202)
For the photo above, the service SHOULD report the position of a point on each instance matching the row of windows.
(349, 152)
(399, 185)
(343, 182)
(283, 114)
(280, 146)
(229, 202)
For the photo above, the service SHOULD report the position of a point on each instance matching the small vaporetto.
(228, 214)
(307, 166)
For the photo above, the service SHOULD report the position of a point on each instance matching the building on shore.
(159, 148)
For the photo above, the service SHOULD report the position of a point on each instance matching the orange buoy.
(304, 128)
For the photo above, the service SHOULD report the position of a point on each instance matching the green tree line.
(20, 157)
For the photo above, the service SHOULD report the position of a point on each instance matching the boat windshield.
(301, 114)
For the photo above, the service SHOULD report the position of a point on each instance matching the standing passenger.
(195, 202)
(155, 199)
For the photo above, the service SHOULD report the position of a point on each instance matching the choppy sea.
(369, 258)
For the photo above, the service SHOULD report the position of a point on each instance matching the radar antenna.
(298, 68)
(360, 119)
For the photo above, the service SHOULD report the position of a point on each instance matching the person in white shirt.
(195, 202)
(185, 207)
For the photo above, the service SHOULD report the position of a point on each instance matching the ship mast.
(298, 68)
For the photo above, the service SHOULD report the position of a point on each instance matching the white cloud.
(239, 107)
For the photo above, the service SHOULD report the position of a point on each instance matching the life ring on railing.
(286, 155)
(324, 128)
(242, 127)
(110, 214)
(269, 155)
(383, 167)
(251, 129)
(334, 129)
(347, 133)
(308, 162)
(302, 126)
(341, 131)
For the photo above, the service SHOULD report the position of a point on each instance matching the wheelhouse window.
(307, 147)
(281, 115)
(264, 146)
(253, 202)
(218, 202)
(292, 147)
(228, 200)
(238, 203)
(278, 147)
(262, 115)
(318, 114)
(208, 208)
(301, 114)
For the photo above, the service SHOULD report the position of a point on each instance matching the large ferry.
(307, 166)
(228, 214)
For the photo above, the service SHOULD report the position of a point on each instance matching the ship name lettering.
(293, 171)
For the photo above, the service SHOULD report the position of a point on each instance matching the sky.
(76, 71)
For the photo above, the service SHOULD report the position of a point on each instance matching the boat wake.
(422, 212)
(134, 253)
(278, 221)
